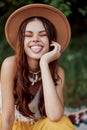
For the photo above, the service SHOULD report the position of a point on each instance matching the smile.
(36, 48)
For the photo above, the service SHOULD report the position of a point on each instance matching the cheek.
(26, 40)
(46, 42)
(46, 49)
(26, 43)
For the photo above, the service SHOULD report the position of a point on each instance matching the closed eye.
(43, 34)
(28, 34)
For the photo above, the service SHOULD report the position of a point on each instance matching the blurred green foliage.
(74, 59)
(74, 62)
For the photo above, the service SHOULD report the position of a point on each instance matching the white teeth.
(36, 48)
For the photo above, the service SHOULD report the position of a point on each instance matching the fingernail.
(59, 48)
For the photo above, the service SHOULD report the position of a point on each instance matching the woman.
(32, 81)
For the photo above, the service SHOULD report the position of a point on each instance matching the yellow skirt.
(44, 124)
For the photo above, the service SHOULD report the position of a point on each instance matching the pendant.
(35, 79)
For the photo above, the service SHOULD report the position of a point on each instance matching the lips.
(36, 48)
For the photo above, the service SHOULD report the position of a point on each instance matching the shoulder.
(61, 76)
(9, 61)
(9, 65)
(60, 71)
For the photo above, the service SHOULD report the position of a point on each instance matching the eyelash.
(27, 35)
(30, 35)
(43, 34)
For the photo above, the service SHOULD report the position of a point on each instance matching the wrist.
(43, 63)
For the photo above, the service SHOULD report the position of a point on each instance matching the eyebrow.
(39, 31)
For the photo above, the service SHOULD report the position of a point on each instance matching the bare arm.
(53, 95)
(7, 82)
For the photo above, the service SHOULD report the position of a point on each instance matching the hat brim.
(54, 15)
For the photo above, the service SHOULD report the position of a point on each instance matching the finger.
(56, 45)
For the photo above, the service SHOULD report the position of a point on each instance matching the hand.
(52, 55)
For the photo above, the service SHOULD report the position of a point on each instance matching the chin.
(35, 57)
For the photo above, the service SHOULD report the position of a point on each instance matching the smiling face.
(36, 41)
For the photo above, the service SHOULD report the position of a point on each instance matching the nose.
(35, 38)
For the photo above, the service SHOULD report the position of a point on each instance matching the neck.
(33, 65)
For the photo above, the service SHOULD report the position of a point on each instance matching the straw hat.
(54, 15)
